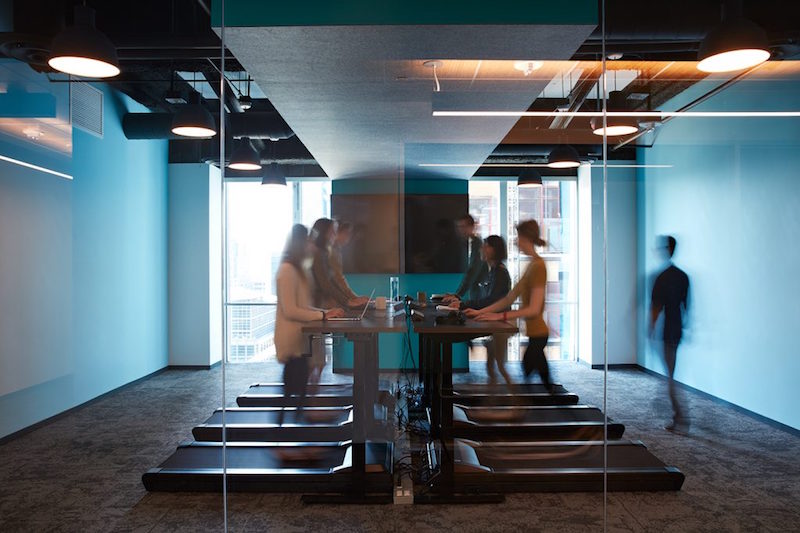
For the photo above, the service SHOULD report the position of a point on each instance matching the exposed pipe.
(690, 105)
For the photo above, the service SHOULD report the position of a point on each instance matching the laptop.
(355, 318)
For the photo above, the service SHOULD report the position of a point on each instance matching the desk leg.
(435, 382)
(365, 393)
(445, 489)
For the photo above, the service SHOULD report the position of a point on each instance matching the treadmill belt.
(319, 468)
(561, 466)
(255, 416)
(529, 415)
(263, 424)
(325, 395)
(499, 423)
(513, 388)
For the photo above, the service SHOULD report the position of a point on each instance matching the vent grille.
(86, 108)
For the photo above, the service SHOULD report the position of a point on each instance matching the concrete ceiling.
(358, 99)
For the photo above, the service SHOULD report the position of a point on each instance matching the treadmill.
(278, 424)
(542, 422)
(324, 467)
(324, 395)
(560, 467)
(513, 394)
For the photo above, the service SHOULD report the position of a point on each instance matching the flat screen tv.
(375, 244)
(432, 243)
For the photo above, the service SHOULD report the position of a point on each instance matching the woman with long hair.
(295, 308)
(494, 285)
(531, 288)
(325, 291)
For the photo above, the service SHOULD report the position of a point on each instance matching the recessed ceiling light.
(527, 67)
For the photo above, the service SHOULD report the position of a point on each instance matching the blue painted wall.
(392, 346)
(731, 200)
(109, 258)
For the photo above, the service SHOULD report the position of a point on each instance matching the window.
(554, 206)
(258, 221)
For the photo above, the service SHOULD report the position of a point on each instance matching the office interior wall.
(730, 198)
(90, 258)
(195, 290)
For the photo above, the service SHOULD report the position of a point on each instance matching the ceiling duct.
(255, 125)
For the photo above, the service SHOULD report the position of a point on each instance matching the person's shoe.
(678, 427)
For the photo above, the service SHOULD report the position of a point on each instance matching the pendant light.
(563, 156)
(245, 157)
(82, 50)
(615, 126)
(273, 175)
(736, 44)
(529, 177)
(193, 120)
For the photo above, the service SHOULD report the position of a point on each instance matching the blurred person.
(671, 295)
(531, 288)
(494, 285)
(475, 268)
(324, 293)
(447, 255)
(293, 309)
(344, 231)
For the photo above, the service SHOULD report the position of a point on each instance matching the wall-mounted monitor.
(375, 244)
(432, 242)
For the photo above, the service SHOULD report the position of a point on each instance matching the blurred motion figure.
(671, 295)
(293, 309)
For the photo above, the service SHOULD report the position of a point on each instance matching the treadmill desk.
(364, 336)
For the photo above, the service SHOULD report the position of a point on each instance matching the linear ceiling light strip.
(35, 167)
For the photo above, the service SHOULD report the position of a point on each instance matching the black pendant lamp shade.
(245, 157)
(615, 126)
(563, 156)
(273, 175)
(82, 50)
(735, 44)
(529, 177)
(193, 120)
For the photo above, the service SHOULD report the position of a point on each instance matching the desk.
(436, 355)
(364, 336)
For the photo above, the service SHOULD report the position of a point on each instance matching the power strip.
(404, 491)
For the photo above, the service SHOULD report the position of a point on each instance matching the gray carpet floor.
(82, 472)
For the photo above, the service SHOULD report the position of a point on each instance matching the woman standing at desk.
(293, 309)
(494, 285)
(531, 288)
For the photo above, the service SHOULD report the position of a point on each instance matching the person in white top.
(294, 308)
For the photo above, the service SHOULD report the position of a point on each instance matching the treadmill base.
(448, 499)
(352, 499)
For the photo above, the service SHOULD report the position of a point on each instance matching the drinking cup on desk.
(380, 302)
(421, 297)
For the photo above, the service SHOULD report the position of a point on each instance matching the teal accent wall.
(731, 202)
(91, 254)
(366, 12)
(392, 347)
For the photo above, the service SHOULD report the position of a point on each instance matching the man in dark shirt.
(476, 269)
(671, 295)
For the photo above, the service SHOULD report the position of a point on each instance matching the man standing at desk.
(476, 269)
